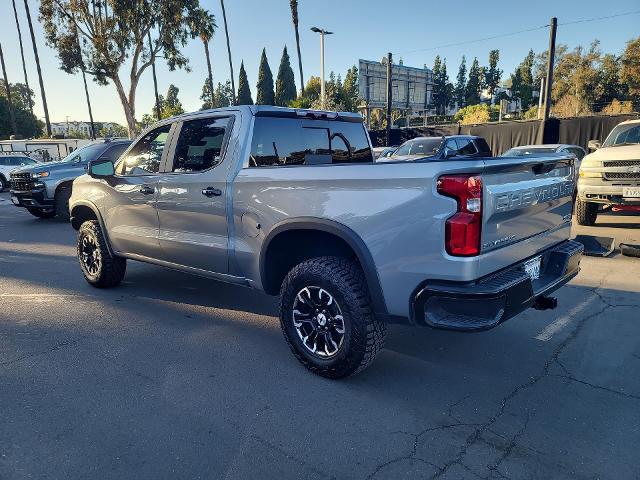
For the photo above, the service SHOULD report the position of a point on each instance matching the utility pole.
(389, 96)
(549, 84)
(155, 79)
(37, 57)
(12, 115)
(24, 65)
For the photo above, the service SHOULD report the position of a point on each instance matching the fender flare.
(351, 238)
(92, 206)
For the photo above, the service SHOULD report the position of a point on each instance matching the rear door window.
(291, 141)
(465, 146)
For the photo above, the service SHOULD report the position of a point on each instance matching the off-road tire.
(364, 333)
(112, 268)
(62, 203)
(3, 183)
(38, 212)
(586, 212)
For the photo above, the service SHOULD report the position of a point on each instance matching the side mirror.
(101, 169)
(594, 144)
(449, 153)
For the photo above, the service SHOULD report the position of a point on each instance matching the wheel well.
(68, 184)
(289, 248)
(81, 214)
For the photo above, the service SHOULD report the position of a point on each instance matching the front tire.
(326, 317)
(99, 267)
(38, 212)
(586, 212)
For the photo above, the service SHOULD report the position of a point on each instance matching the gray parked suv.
(44, 188)
(290, 202)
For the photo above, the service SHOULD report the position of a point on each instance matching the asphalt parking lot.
(173, 376)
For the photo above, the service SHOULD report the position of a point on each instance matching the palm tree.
(12, 115)
(205, 36)
(24, 65)
(226, 31)
(35, 54)
(294, 17)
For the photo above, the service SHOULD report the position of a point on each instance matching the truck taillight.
(462, 230)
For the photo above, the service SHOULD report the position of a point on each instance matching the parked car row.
(437, 233)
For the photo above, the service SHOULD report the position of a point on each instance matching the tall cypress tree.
(461, 83)
(265, 95)
(435, 92)
(474, 84)
(493, 74)
(285, 83)
(244, 92)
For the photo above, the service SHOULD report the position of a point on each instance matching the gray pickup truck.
(290, 202)
(44, 188)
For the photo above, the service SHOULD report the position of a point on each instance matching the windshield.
(419, 146)
(623, 135)
(523, 152)
(84, 154)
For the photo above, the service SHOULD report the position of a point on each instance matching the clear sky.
(363, 29)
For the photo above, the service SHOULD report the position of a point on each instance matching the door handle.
(146, 190)
(211, 192)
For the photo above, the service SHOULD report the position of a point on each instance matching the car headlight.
(39, 174)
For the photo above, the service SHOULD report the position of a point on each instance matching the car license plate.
(15, 200)
(631, 192)
(532, 267)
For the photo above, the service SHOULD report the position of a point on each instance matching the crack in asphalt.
(56, 347)
(477, 434)
(599, 387)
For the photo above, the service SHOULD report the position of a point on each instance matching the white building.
(84, 128)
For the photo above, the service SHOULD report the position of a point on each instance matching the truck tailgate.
(527, 207)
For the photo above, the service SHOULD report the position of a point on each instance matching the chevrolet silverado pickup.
(291, 202)
(610, 175)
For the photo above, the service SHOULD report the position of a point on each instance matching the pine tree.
(446, 88)
(350, 90)
(474, 84)
(264, 93)
(493, 74)
(206, 96)
(435, 92)
(522, 82)
(461, 83)
(171, 105)
(244, 92)
(285, 83)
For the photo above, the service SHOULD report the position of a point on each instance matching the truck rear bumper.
(485, 303)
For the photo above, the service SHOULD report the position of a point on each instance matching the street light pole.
(322, 33)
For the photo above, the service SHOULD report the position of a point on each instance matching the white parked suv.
(10, 161)
(611, 174)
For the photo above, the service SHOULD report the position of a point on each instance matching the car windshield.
(84, 154)
(419, 146)
(523, 152)
(623, 135)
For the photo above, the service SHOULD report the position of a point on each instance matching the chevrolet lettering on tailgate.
(532, 196)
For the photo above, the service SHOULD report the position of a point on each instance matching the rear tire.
(37, 212)
(326, 317)
(586, 212)
(3, 183)
(99, 267)
(62, 203)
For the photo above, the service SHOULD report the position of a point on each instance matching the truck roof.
(270, 110)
